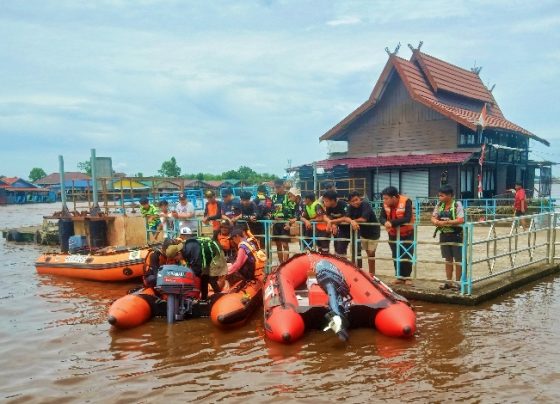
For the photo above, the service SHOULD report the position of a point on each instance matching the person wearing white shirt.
(184, 212)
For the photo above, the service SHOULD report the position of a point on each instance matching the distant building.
(424, 125)
(15, 190)
(53, 180)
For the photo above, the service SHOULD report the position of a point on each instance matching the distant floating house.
(16, 190)
(79, 180)
(426, 123)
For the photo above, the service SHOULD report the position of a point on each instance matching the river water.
(55, 346)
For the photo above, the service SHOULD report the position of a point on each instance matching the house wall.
(398, 124)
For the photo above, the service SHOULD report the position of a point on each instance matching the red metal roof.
(423, 76)
(448, 77)
(403, 160)
(54, 178)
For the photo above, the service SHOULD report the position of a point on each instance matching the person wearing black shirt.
(362, 218)
(336, 210)
(231, 209)
(250, 215)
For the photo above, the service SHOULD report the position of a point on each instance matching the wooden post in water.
(95, 210)
(65, 211)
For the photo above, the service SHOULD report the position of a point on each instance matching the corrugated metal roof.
(54, 178)
(403, 160)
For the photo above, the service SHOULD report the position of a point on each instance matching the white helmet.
(186, 230)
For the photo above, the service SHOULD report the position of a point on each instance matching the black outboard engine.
(181, 286)
(332, 282)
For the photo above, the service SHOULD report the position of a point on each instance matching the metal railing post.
(398, 251)
(469, 268)
(551, 237)
(415, 250)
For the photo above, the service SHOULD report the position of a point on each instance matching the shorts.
(154, 225)
(454, 252)
(369, 245)
(279, 230)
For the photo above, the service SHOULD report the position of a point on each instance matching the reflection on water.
(55, 344)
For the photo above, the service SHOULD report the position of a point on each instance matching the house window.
(468, 138)
(467, 176)
(488, 179)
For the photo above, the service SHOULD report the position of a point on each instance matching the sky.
(220, 84)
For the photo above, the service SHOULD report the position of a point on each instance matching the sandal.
(398, 282)
(444, 286)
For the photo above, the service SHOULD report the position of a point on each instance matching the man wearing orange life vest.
(397, 215)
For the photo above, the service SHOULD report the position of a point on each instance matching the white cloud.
(349, 20)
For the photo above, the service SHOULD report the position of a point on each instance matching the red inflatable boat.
(313, 290)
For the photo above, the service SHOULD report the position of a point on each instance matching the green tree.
(170, 168)
(85, 167)
(139, 174)
(36, 173)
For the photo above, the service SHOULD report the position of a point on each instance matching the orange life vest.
(225, 242)
(398, 212)
(213, 210)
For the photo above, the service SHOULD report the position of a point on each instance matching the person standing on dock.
(336, 210)
(520, 204)
(184, 212)
(249, 214)
(362, 218)
(448, 216)
(397, 215)
(151, 214)
(283, 211)
(212, 212)
(314, 213)
(231, 209)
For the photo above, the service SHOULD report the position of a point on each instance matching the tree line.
(171, 169)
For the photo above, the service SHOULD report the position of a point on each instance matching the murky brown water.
(56, 346)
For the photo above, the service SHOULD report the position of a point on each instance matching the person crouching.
(200, 254)
(245, 263)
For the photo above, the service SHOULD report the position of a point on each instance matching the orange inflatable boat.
(313, 290)
(109, 264)
(235, 306)
(231, 307)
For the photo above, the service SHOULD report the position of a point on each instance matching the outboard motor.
(332, 282)
(181, 286)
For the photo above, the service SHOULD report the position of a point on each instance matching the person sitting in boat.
(151, 214)
(155, 259)
(314, 212)
(204, 256)
(224, 240)
(249, 257)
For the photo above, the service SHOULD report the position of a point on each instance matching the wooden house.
(15, 190)
(425, 124)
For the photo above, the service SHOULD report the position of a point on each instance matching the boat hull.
(287, 313)
(117, 266)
